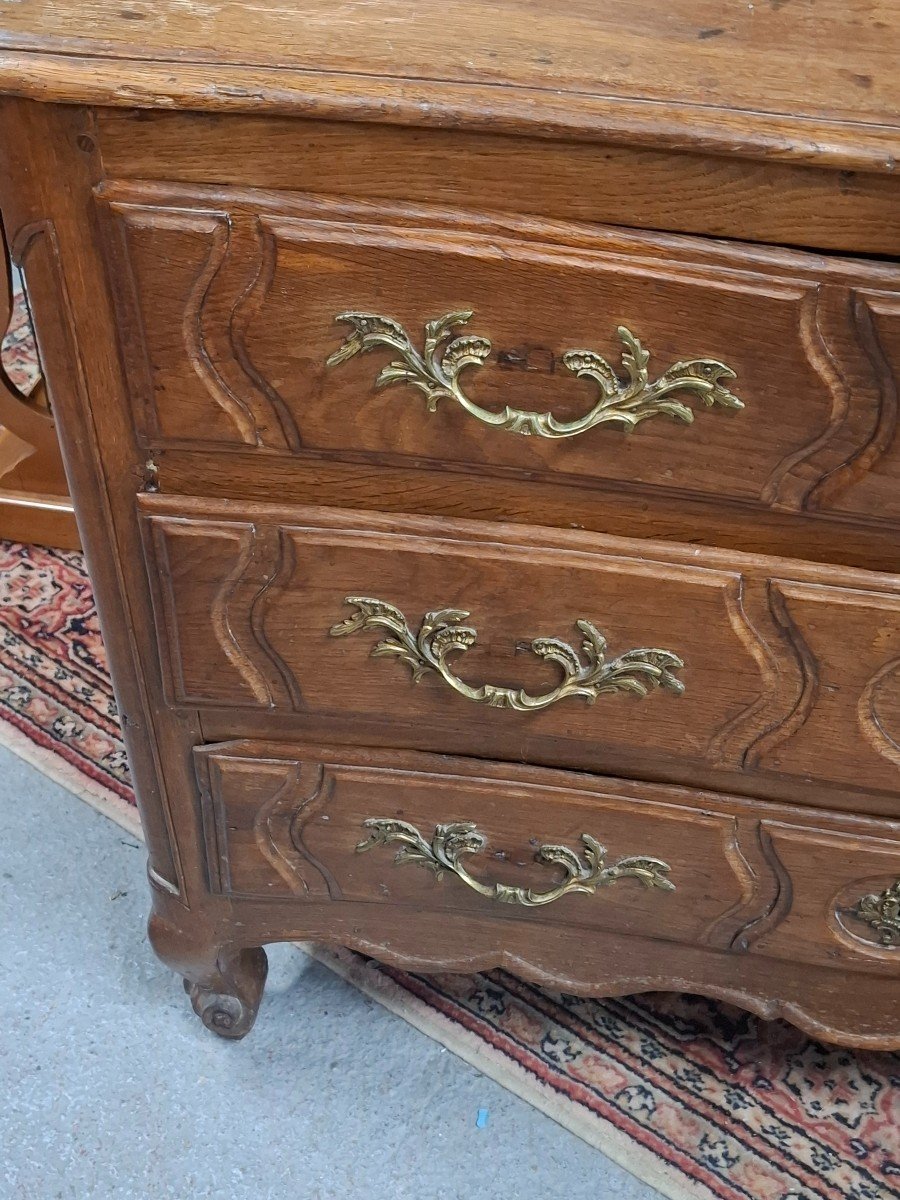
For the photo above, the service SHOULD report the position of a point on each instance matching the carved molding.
(761, 882)
(222, 360)
(842, 345)
(300, 791)
(750, 613)
(644, 976)
(265, 567)
(279, 829)
(871, 721)
(228, 291)
(805, 671)
(776, 889)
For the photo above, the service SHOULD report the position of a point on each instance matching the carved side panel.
(867, 482)
(254, 811)
(222, 615)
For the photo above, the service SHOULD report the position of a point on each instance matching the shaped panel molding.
(229, 338)
(783, 678)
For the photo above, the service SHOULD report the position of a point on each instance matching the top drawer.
(669, 365)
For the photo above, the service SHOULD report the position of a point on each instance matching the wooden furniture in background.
(483, 423)
(34, 498)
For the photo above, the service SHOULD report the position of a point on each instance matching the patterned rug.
(696, 1098)
(17, 348)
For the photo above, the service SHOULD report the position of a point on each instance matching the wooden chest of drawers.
(486, 449)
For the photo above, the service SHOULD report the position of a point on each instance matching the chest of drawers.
(483, 431)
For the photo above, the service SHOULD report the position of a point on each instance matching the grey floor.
(111, 1088)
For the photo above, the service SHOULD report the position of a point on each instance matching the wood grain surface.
(771, 200)
(814, 80)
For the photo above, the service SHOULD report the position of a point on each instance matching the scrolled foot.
(229, 1004)
(225, 985)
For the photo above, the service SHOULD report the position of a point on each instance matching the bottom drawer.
(425, 833)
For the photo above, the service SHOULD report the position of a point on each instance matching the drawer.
(422, 833)
(288, 329)
(568, 649)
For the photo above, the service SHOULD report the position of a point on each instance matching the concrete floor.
(112, 1089)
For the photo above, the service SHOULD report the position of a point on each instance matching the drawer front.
(668, 365)
(532, 645)
(418, 832)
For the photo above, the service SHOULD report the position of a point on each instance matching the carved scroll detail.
(266, 563)
(279, 828)
(227, 293)
(808, 670)
(863, 421)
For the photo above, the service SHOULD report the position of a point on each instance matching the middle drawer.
(524, 644)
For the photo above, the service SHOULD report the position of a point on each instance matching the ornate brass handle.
(436, 371)
(442, 633)
(451, 842)
(882, 912)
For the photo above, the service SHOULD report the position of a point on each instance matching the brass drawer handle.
(442, 634)
(882, 912)
(451, 842)
(436, 371)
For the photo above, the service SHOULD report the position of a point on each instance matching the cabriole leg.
(225, 985)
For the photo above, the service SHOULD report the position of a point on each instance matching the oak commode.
(486, 452)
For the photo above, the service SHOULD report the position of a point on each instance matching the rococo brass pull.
(442, 634)
(882, 912)
(436, 372)
(451, 842)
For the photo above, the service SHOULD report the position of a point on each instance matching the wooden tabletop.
(814, 80)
